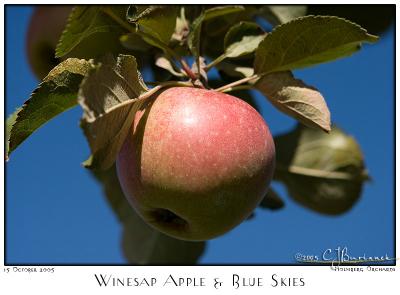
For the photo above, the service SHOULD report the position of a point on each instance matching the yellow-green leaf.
(296, 99)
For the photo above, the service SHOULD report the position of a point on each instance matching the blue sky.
(56, 212)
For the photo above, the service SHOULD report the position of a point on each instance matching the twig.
(236, 83)
(152, 83)
(149, 93)
(239, 87)
(164, 84)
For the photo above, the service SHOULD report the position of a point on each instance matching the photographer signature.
(340, 255)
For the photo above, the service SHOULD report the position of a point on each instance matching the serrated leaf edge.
(371, 38)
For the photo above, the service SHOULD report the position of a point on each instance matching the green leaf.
(222, 11)
(235, 70)
(242, 39)
(142, 244)
(134, 41)
(156, 43)
(165, 64)
(296, 99)
(376, 19)
(155, 24)
(195, 29)
(323, 172)
(54, 95)
(9, 124)
(280, 14)
(307, 41)
(216, 29)
(194, 36)
(243, 28)
(108, 98)
(92, 31)
(272, 200)
(155, 20)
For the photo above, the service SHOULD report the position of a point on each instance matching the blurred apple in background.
(196, 163)
(45, 27)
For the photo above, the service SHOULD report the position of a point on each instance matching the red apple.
(196, 162)
(45, 28)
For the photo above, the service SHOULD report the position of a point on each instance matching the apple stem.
(230, 86)
(193, 77)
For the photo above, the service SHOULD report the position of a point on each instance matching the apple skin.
(45, 28)
(196, 162)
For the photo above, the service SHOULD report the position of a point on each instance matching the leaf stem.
(215, 62)
(229, 87)
(149, 93)
(239, 87)
(162, 85)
